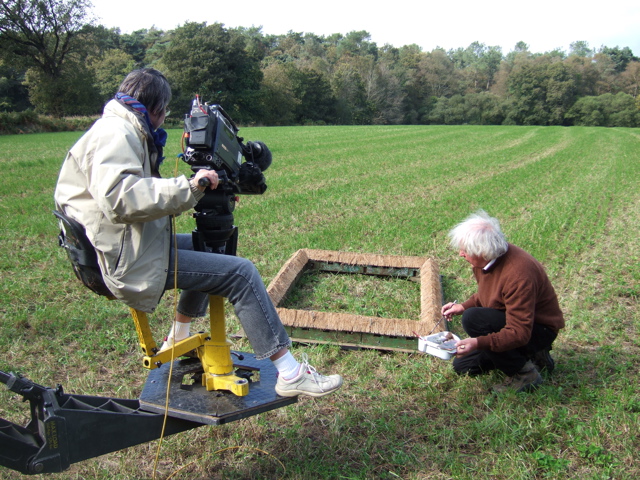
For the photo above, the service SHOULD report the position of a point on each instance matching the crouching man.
(513, 318)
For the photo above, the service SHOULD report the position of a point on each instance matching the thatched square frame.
(422, 269)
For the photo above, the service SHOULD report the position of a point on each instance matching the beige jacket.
(106, 184)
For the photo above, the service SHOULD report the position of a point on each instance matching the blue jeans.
(201, 274)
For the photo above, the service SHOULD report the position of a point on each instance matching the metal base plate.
(189, 400)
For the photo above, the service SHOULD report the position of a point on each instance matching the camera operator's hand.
(210, 178)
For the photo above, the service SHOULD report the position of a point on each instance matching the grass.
(356, 294)
(570, 196)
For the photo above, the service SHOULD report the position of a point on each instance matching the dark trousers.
(477, 322)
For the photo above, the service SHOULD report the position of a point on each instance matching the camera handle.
(223, 179)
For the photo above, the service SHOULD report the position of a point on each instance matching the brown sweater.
(518, 285)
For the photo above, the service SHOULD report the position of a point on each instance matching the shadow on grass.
(402, 423)
(410, 416)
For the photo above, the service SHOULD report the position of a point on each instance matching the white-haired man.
(514, 317)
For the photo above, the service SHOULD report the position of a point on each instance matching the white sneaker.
(170, 341)
(167, 344)
(308, 382)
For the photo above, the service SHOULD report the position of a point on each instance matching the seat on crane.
(73, 238)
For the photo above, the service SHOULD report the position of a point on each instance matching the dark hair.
(149, 87)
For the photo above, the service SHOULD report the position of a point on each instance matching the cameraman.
(110, 183)
(514, 317)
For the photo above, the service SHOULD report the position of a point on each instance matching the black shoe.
(525, 380)
(543, 361)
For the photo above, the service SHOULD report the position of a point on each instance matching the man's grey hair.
(149, 87)
(479, 235)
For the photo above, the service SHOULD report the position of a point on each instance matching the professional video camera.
(211, 142)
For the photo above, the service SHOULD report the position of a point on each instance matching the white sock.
(181, 332)
(287, 366)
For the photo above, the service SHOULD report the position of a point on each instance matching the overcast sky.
(544, 25)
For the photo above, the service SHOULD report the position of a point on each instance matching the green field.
(570, 196)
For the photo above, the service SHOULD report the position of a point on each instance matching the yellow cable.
(173, 346)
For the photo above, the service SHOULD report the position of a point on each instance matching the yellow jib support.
(144, 332)
(214, 350)
(215, 354)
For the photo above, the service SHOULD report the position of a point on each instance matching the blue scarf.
(159, 135)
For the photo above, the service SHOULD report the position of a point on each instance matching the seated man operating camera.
(110, 184)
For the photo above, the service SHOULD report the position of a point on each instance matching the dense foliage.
(62, 63)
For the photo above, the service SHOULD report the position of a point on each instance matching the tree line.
(57, 60)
